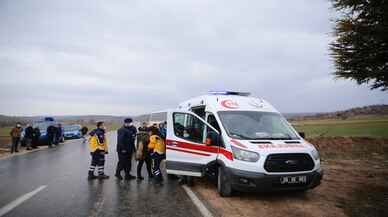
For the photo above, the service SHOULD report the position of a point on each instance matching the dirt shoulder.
(355, 184)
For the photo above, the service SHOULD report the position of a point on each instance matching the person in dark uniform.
(126, 136)
(50, 135)
(28, 135)
(36, 137)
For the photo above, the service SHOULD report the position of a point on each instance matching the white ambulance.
(241, 141)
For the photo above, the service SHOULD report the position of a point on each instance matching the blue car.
(72, 131)
(42, 125)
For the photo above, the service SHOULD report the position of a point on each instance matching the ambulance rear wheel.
(223, 185)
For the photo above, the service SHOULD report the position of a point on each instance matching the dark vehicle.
(42, 126)
(72, 131)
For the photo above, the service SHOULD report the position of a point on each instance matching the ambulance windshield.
(256, 125)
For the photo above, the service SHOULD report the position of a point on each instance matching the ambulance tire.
(190, 181)
(223, 185)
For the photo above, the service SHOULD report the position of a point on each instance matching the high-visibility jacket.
(157, 144)
(98, 141)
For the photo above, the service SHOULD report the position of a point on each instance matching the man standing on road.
(84, 131)
(28, 136)
(142, 152)
(50, 135)
(98, 149)
(16, 133)
(36, 137)
(126, 136)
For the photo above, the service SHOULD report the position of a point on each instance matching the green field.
(376, 127)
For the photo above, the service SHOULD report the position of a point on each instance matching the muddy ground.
(355, 185)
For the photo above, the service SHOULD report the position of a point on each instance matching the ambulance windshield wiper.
(240, 136)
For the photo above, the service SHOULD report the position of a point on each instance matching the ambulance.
(242, 142)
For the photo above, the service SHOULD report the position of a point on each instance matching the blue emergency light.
(229, 93)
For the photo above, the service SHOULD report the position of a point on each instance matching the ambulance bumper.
(260, 182)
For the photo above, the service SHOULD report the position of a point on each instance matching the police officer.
(126, 136)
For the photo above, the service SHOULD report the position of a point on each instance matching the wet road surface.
(61, 174)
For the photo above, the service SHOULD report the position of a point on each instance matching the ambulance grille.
(288, 163)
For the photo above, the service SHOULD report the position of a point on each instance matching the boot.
(91, 176)
(118, 176)
(129, 177)
(103, 176)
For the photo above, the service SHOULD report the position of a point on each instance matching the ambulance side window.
(188, 127)
(211, 134)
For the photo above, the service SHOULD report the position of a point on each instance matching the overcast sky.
(132, 57)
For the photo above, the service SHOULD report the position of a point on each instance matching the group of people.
(146, 142)
(31, 137)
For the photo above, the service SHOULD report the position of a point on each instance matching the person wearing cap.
(16, 133)
(126, 136)
(98, 145)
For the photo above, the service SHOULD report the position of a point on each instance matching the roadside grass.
(374, 127)
(4, 135)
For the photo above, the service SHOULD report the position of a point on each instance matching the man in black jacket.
(126, 136)
(28, 136)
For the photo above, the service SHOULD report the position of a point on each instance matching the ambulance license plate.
(293, 180)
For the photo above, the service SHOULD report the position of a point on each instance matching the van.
(242, 142)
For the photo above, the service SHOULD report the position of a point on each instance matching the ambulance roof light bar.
(229, 93)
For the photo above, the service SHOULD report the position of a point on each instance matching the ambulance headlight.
(315, 154)
(244, 155)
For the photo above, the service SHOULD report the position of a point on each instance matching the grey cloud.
(131, 57)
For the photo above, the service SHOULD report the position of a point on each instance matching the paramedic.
(158, 153)
(98, 149)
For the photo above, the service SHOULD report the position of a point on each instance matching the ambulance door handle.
(174, 143)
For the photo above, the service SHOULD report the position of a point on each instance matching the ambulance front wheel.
(224, 186)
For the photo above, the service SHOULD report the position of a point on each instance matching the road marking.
(9, 207)
(197, 202)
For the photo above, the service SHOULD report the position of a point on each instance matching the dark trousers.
(98, 161)
(148, 162)
(50, 140)
(15, 144)
(125, 163)
(157, 159)
(28, 143)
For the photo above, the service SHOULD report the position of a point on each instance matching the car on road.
(42, 125)
(242, 142)
(72, 131)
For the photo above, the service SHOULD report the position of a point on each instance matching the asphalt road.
(57, 182)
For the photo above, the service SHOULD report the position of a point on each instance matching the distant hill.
(371, 110)
(6, 121)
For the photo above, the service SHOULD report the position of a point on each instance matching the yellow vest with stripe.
(95, 145)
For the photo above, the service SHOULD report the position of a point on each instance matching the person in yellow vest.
(157, 149)
(98, 145)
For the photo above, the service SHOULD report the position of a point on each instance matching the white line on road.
(7, 208)
(197, 202)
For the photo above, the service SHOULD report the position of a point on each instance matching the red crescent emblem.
(230, 104)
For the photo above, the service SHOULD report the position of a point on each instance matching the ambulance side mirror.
(302, 134)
